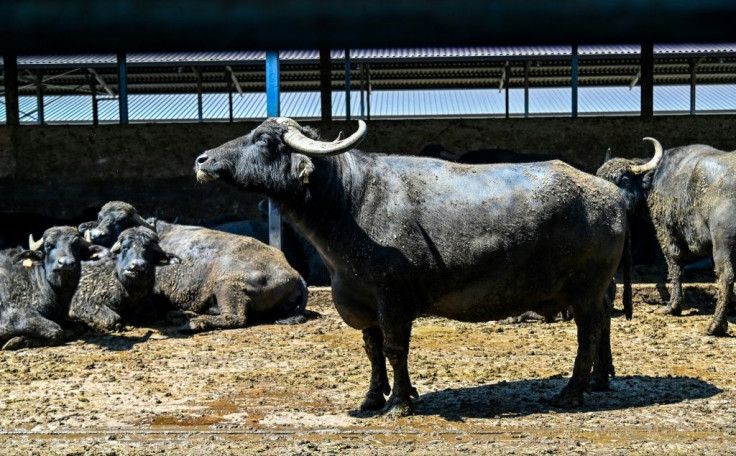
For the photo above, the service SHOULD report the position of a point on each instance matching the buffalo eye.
(262, 141)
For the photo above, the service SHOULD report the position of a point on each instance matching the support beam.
(694, 62)
(273, 109)
(39, 97)
(102, 82)
(367, 92)
(527, 68)
(506, 72)
(361, 71)
(198, 77)
(123, 88)
(325, 83)
(92, 76)
(10, 73)
(574, 80)
(235, 80)
(647, 80)
(229, 85)
(347, 84)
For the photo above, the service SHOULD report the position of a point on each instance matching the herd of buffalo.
(401, 237)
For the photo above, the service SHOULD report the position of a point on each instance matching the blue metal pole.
(273, 109)
(123, 88)
(574, 81)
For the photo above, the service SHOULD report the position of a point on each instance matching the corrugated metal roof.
(384, 104)
(460, 53)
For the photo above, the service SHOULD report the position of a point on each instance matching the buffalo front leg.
(396, 329)
(674, 277)
(34, 330)
(373, 344)
(723, 258)
(232, 310)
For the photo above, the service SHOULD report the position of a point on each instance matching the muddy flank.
(277, 389)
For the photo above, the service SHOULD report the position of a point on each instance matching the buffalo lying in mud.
(222, 281)
(407, 236)
(690, 194)
(37, 285)
(119, 287)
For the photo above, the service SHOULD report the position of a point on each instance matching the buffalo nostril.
(137, 265)
(65, 262)
(202, 159)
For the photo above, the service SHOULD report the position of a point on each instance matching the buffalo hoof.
(568, 399)
(373, 402)
(600, 384)
(668, 310)
(718, 330)
(399, 408)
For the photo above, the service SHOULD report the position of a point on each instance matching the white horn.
(34, 245)
(651, 164)
(308, 146)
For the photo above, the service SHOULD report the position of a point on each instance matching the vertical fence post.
(574, 80)
(273, 109)
(123, 88)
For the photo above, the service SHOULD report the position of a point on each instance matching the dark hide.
(409, 236)
(691, 199)
(300, 254)
(36, 288)
(119, 288)
(489, 156)
(222, 281)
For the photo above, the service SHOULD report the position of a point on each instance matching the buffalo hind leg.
(603, 364)
(590, 324)
(723, 257)
(396, 330)
(232, 303)
(379, 387)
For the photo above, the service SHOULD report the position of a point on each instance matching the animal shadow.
(115, 341)
(526, 397)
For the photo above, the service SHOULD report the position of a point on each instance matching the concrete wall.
(68, 172)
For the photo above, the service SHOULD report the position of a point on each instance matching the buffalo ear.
(302, 167)
(28, 258)
(165, 258)
(86, 226)
(97, 252)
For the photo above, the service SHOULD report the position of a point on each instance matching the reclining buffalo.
(119, 287)
(407, 236)
(37, 285)
(222, 280)
(690, 194)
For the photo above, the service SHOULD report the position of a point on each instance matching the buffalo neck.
(328, 201)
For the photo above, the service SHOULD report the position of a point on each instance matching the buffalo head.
(113, 219)
(60, 252)
(633, 177)
(137, 253)
(275, 158)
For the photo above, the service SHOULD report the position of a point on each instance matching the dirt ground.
(277, 389)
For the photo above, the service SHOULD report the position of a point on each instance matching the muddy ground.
(277, 389)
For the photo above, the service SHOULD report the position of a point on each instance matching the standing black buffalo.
(222, 281)
(407, 236)
(690, 194)
(37, 285)
(119, 288)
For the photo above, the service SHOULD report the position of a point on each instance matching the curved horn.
(607, 156)
(88, 236)
(143, 223)
(296, 139)
(34, 245)
(651, 164)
